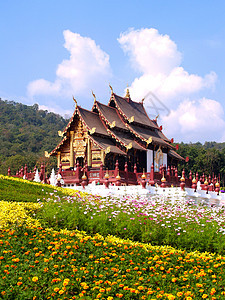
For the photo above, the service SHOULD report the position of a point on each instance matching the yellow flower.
(35, 279)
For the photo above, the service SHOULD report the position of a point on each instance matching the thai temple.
(118, 133)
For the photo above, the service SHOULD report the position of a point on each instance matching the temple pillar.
(89, 152)
(149, 159)
(58, 159)
(71, 149)
(103, 157)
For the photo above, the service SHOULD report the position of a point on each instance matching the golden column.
(103, 157)
(89, 152)
(71, 149)
(58, 158)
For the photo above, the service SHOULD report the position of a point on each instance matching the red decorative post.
(25, 170)
(107, 179)
(194, 184)
(101, 173)
(176, 175)
(116, 168)
(182, 183)
(151, 182)
(163, 180)
(197, 177)
(9, 171)
(217, 189)
(77, 174)
(126, 172)
(168, 174)
(21, 172)
(118, 178)
(210, 179)
(206, 187)
(160, 169)
(84, 180)
(35, 169)
(203, 178)
(143, 180)
(42, 175)
(190, 175)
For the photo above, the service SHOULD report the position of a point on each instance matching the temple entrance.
(141, 161)
(81, 161)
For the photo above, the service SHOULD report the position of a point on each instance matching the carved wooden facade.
(119, 131)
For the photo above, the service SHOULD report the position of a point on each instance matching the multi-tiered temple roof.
(121, 129)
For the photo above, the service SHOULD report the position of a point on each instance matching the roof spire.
(75, 101)
(128, 92)
(93, 95)
(111, 89)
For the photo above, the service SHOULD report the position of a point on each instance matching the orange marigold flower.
(19, 283)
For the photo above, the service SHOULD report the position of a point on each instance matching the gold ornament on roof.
(131, 119)
(47, 154)
(142, 101)
(93, 95)
(75, 101)
(113, 124)
(60, 133)
(149, 141)
(129, 146)
(92, 130)
(107, 150)
(111, 89)
(128, 92)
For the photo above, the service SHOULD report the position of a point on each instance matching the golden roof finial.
(142, 101)
(111, 89)
(75, 101)
(156, 117)
(128, 92)
(93, 95)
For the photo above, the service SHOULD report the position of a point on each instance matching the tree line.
(26, 132)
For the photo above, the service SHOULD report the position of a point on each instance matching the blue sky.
(51, 50)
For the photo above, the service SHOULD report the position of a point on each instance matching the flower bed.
(45, 264)
(156, 220)
(37, 262)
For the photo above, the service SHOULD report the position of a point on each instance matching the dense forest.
(27, 131)
(208, 158)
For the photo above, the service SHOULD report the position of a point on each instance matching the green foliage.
(23, 191)
(208, 159)
(26, 132)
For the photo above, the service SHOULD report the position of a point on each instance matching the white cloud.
(157, 58)
(201, 120)
(149, 51)
(87, 68)
(57, 110)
